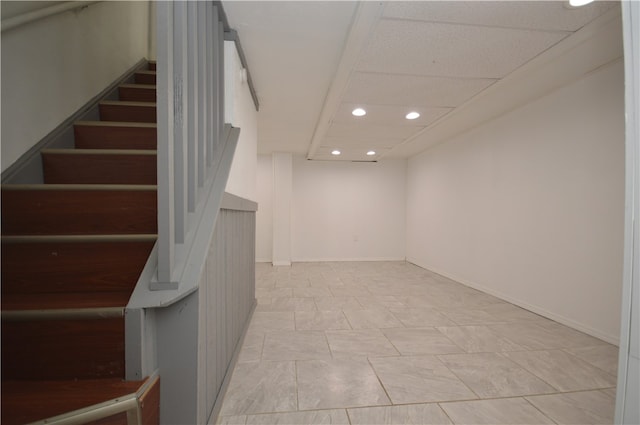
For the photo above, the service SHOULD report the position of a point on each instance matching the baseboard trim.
(341, 259)
(615, 340)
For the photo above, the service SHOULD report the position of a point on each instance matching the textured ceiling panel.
(411, 90)
(364, 131)
(541, 15)
(420, 48)
(388, 115)
(292, 58)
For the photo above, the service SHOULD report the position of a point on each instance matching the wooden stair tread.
(138, 86)
(99, 166)
(115, 124)
(145, 77)
(132, 110)
(42, 210)
(45, 301)
(128, 102)
(29, 401)
(137, 92)
(99, 151)
(15, 239)
(65, 286)
(115, 135)
(65, 348)
(78, 187)
(67, 264)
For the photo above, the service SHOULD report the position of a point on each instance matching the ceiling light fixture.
(412, 115)
(578, 3)
(335, 152)
(359, 112)
(371, 153)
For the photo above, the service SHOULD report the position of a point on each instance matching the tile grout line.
(541, 412)
(585, 360)
(380, 382)
(502, 354)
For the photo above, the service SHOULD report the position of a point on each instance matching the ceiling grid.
(431, 57)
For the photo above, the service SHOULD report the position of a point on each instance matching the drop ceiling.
(454, 62)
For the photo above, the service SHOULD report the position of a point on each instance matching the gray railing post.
(211, 23)
(193, 95)
(190, 96)
(165, 95)
(203, 135)
(181, 118)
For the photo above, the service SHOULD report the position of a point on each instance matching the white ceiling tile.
(388, 114)
(541, 15)
(412, 90)
(434, 49)
(365, 131)
(291, 57)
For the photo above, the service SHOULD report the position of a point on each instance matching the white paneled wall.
(529, 207)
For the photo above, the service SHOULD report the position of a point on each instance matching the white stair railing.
(191, 131)
(196, 292)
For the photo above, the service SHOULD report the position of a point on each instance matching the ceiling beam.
(365, 18)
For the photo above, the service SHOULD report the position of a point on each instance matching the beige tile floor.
(391, 343)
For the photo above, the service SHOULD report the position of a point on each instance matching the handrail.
(196, 240)
(192, 137)
(95, 412)
(129, 403)
(36, 15)
(62, 314)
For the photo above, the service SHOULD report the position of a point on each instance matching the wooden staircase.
(72, 251)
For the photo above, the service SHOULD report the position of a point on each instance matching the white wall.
(348, 211)
(340, 210)
(529, 206)
(52, 67)
(264, 216)
(240, 111)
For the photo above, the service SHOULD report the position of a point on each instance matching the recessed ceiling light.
(412, 115)
(578, 3)
(371, 153)
(335, 152)
(359, 112)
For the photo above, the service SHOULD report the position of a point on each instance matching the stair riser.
(63, 349)
(137, 94)
(152, 66)
(99, 137)
(72, 266)
(127, 113)
(142, 78)
(78, 212)
(99, 169)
